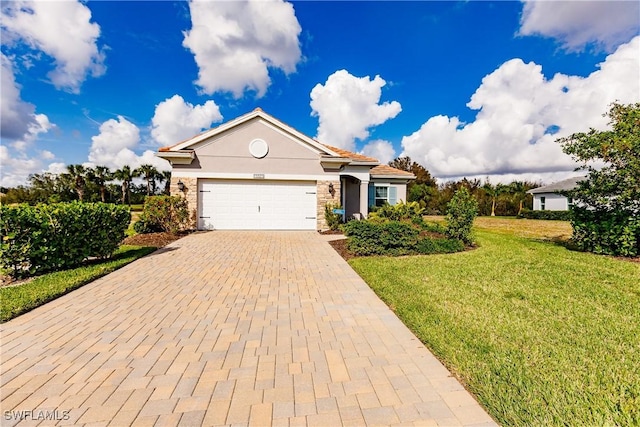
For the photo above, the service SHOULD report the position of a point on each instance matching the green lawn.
(15, 300)
(540, 334)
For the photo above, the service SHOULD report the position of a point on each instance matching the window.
(542, 202)
(382, 195)
(379, 194)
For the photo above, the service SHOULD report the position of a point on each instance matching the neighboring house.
(255, 172)
(548, 197)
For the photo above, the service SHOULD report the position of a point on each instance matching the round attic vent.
(258, 148)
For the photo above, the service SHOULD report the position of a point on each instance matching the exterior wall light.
(180, 185)
(331, 190)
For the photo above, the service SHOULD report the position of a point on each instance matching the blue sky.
(477, 89)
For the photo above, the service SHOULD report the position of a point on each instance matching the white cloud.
(347, 106)
(577, 24)
(115, 144)
(20, 129)
(379, 149)
(61, 29)
(17, 115)
(521, 114)
(175, 120)
(56, 168)
(236, 42)
(18, 165)
(40, 124)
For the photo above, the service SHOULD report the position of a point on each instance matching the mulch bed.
(341, 247)
(330, 232)
(157, 240)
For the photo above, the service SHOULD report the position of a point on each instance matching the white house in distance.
(548, 197)
(255, 172)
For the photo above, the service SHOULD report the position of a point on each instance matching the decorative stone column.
(190, 193)
(324, 195)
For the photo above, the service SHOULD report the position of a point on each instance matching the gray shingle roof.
(567, 184)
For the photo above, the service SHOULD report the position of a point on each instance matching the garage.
(256, 205)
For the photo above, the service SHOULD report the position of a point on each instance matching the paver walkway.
(226, 328)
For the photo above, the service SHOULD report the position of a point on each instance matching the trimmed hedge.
(547, 215)
(51, 237)
(163, 213)
(394, 238)
(606, 232)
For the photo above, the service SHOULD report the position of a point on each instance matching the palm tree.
(78, 174)
(519, 190)
(99, 176)
(166, 176)
(126, 176)
(493, 191)
(149, 173)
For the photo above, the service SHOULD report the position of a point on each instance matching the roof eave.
(362, 163)
(182, 157)
(405, 177)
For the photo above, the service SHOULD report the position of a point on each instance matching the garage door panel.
(274, 205)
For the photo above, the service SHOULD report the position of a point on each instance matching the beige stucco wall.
(229, 153)
(324, 197)
(190, 193)
(401, 191)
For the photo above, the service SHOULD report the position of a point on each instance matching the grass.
(541, 335)
(15, 300)
(134, 218)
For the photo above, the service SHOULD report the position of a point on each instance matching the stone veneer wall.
(324, 196)
(190, 193)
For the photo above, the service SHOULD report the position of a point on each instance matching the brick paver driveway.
(227, 328)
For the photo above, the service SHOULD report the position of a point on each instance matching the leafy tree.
(100, 175)
(607, 215)
(149, 173)
(126, 175)
(422, 175)
(49, 187)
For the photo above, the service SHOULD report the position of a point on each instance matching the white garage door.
(257, 205)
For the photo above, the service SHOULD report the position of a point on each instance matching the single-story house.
(255, 172)
(549, 197)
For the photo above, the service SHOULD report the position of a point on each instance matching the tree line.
(493, 199)
(95, 184)
(90, 184)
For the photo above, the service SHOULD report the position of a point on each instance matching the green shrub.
(333, 219)
(606, 232)
(547, 215)
(51, 237)
(398, 212)
(398, 238)
(394, 238)
(433, 227)
(428, 245)
(461, 211)
(142, 226)
(389, 238)
(164, 213)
